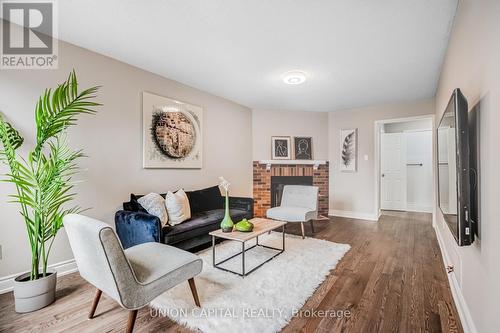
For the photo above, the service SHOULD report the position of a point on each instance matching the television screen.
(453, 169)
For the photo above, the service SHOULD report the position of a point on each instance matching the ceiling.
(355, 52)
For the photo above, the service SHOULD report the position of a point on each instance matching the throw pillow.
(134, 204)
(177, 207)
(154, 204)
(206, 199)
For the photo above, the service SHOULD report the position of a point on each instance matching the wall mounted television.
(457, 182)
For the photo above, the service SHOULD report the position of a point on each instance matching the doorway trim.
(377, 126)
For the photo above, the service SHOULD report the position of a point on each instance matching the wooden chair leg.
(312, 226)
(302, 228)
(132, 315)
(97, 297)
(194, 292)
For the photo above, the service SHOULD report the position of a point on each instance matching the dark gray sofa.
(135, 226)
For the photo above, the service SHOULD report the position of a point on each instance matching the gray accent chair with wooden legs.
(132, 277)
(299, 204)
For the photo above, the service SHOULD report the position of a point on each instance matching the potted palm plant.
(43, 182)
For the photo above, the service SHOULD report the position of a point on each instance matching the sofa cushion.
(135, 228)
(178, 207)
(291, 214)
(155, 205)
(205, 199)
(200, 224)
(153, 261)
(134, 205)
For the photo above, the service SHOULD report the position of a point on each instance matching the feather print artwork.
(348, 149)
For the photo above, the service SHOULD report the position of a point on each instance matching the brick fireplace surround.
(262, 183)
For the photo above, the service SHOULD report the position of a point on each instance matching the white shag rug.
(264, 301)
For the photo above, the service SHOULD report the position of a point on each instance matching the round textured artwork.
(173, 133)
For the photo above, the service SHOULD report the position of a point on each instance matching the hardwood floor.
(392, 280)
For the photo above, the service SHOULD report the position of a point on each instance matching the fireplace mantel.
(314, 163)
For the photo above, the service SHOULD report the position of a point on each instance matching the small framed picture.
(348, 150)
(281, 148)
(303, 148)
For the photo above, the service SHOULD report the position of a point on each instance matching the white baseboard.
(62, 268)
(456, 291)
(354, 215)
(413, 207)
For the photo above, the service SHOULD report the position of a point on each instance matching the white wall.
(472, 64)
(113, 141)
(266, 124)
(354, 193)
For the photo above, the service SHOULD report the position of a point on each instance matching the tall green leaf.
(44, 180)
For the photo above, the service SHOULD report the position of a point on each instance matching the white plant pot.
(31, 295)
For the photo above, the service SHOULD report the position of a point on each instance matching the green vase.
(227, 224)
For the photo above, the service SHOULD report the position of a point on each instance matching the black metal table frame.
(242, 253)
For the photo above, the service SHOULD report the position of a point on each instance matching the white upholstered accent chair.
(298, 204)
(133, 277)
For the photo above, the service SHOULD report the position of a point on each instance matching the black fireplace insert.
(279, 182)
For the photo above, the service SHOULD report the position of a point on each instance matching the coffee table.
(261, 226)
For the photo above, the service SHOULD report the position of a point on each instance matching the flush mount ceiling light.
(294, 77)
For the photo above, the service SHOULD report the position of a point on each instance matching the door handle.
(383, 175)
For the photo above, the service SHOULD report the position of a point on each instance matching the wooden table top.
(260, 226)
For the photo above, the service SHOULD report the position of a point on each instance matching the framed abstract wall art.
(303, 148)
(281, 148)
(172, 133)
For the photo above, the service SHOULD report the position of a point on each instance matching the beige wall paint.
(113, 142)
(354, 191)
(266, 124)
(472, 64)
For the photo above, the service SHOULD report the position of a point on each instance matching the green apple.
(244, 226)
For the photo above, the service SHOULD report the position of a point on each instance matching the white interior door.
(419, 171)
(393, 171)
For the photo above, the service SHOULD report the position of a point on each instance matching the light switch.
(366, 157)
